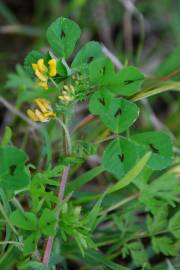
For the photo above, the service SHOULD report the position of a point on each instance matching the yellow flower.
(52, 68)
(43, 85)
(44, 112)
(67, 94)
(42, 72)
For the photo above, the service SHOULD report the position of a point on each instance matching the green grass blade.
(131, 175)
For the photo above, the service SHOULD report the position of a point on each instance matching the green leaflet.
(13, 172)
(138, 253)
(30, 243)
(159, 221)
(126, 82)
(163, 189)
(120, 115)
(30, 59)
(119, 157)
(102, 74)
(47, 221)
(19, 79)
(161, 146)
(130, 81)
(28, 221)
(117, 114)
(100, 102)
(24, 220)
(164, 245)
(174, 225)
(62, 36)
(90, 51)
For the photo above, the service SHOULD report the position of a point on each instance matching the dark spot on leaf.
(121, 157)
(102, 71)
(127, 82)
(102, 101)
(153, 148)
(62, 34)
(12, 169)
(89, 60)
(118, 113)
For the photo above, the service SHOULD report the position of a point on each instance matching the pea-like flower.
(44, 112)
(67, 93)
(43, 72)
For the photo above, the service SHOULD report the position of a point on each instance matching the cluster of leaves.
(133, 158)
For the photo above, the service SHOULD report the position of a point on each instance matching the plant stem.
(64, 178)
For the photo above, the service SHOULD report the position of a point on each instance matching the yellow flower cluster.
(44, 112)
(42, 72)
(67, 94)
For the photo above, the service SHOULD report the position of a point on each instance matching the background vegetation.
(141, 225)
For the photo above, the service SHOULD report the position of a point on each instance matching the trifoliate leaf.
(62, 36)
(119, 157)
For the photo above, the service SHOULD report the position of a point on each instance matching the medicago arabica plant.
(61, 222)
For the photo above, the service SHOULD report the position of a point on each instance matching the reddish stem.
(50, 240)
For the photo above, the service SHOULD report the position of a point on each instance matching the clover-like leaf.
(13, 172)
(62, 36)
(119, 157)
(161, 146)
(130, 80)
(120, 115)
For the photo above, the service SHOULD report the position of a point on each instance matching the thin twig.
(112, 57)
(14, 111)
